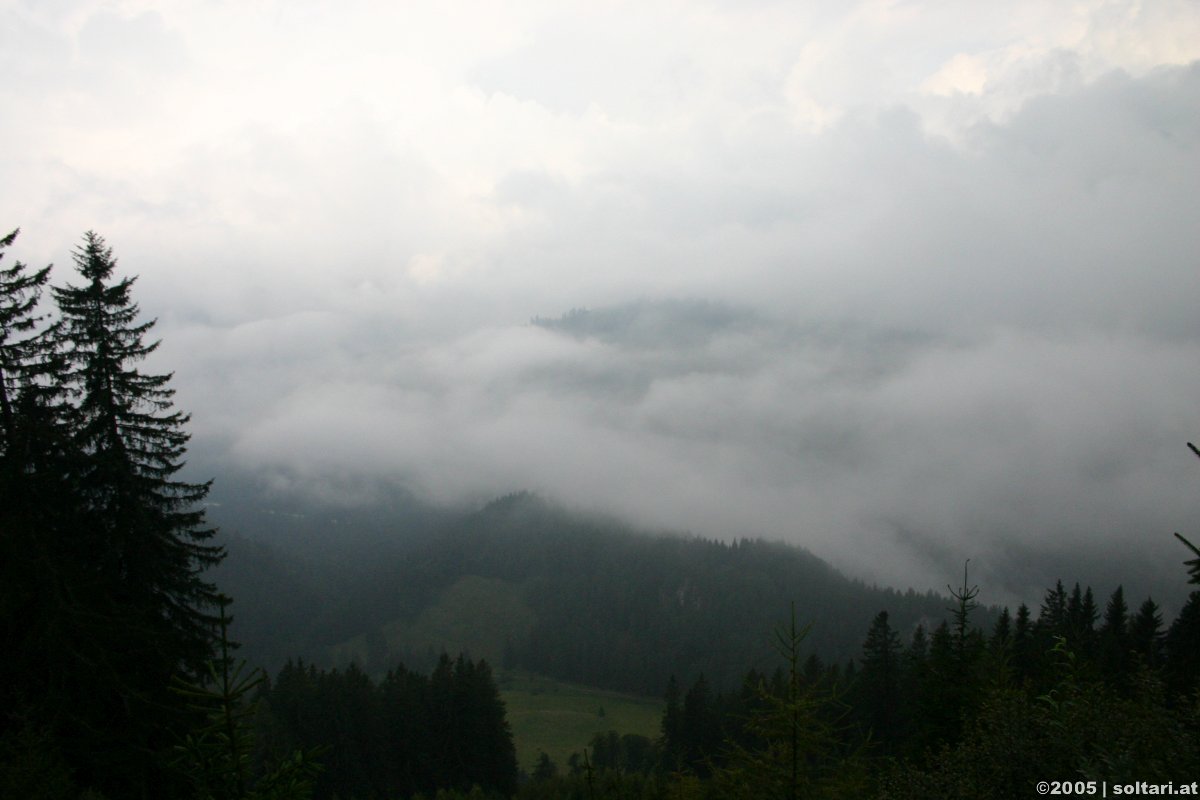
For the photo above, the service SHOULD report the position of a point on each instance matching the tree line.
(1075, 693)
(406, 734)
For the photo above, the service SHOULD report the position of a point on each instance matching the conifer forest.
(144, 653)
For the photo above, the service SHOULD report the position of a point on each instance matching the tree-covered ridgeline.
(600, 604)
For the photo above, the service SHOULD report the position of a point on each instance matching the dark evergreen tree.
(672, 728)
(39, 616)
(153, 544)
(1002, 632)
(798, 751)
(545, 769)
(1145, 633)
(877, 693)
(405, 721)
(1052, 619)
(127, 548)
(1024, 653)
(606, 751)
(492, 763)
(1090, 612)
(1051, 624)
(914, 680)
(216, 759)
(918, 648)
(27, 366)
(1183, 638)
(1193, 564)
(701, 727)
(969, 646)
(638, 753)
(961, 615)
(1182, 645)
(35, 497)
(1081, 619)
(1113, 640)
(940, 695)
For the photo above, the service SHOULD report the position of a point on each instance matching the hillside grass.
(561, 718)
(474, 615)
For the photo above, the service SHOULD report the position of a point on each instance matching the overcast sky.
(905, 282)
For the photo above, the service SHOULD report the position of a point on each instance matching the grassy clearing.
(475, 615)
(560, 718)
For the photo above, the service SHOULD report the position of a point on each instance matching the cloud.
(906, 282)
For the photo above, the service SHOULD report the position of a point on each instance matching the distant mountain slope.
(567, 595)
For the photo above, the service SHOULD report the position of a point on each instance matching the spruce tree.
(1081, 619)
(155, 544)
(1114, 640)
(1145, 633)
(1024, 645)
(24, 348)
(1052, 620)
(942, 692)
(914, 679)
(493, 762)
(878, 689)
(1182, 645)
(26, 384)
(672, 728)
(701, 727)
(1001, 639)
(137, 545)
(33, 412)
(41, 622)
(798, 749)
(215, 759)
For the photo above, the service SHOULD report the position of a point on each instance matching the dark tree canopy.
(19, 294)
(132, 442)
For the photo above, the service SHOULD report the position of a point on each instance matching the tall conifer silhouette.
(138, 540)
(132, 442)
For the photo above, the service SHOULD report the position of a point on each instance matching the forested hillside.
(578, 598)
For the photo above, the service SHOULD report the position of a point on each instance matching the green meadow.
(561, 718)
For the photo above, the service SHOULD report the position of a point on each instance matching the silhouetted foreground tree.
(131, 442)
(102, 548)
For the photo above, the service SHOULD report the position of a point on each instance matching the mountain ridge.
(610, 605)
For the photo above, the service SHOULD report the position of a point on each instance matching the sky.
(906, 283)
